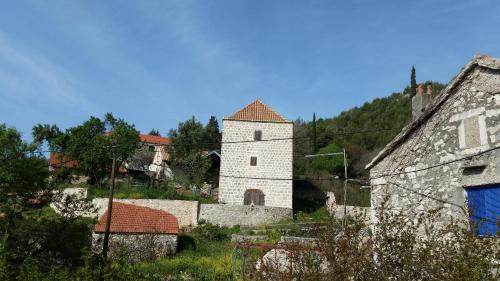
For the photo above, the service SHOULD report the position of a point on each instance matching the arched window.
(255, 196)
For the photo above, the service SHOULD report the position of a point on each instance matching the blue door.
(484, 208)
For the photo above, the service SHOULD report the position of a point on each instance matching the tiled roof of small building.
(154, 139)
(127, 218)
(257, 111)
(60, 160)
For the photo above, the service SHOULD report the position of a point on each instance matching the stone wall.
(138, 246)
(466, 124)
(230, 215)
(186, 212)
(273, 173)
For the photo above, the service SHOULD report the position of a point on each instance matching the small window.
(257, 135)
(152, 148)
(253, 161)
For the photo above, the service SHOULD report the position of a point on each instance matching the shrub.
(210, 232)
(399, 249)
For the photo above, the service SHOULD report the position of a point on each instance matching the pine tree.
(212, 134)
(413, 82)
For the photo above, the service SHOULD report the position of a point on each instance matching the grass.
(204, 254)
(122, 191)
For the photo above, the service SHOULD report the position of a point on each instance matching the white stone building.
(257, 157)
(448, 158)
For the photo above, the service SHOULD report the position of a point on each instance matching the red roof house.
(132, 219)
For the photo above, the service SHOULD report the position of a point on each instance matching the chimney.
(420, 101)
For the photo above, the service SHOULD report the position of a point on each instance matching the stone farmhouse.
(138, 229)
(256, 158)
(149, 159)
(448, 157)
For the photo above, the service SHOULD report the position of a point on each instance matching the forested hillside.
(363, 130)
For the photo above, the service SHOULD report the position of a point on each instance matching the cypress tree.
(314, 141)
(413, 82)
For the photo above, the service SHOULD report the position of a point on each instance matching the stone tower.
(256, 158)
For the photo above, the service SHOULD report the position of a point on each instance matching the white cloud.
(29, 78)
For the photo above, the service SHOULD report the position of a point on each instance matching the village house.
(150, 159)
(449, 156)
(138, 229)
(256, 158)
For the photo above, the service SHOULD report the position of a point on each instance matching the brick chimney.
(420, 101)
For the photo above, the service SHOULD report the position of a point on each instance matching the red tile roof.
(127, 218)
(257, 111)
(60, 160)
(155, 139)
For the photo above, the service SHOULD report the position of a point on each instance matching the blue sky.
(156, 63)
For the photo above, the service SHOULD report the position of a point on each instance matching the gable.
(259, 112)
(479, 63)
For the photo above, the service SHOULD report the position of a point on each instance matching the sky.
(157, 63)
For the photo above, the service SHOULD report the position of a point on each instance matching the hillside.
(362, 131)
(372, 125)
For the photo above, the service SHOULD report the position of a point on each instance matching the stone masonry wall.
(137, 245)
(230, 215)
(468, 123)
(273, 172)
(186, 212)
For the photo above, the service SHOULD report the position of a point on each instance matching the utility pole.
(105, 245)
(345, 174)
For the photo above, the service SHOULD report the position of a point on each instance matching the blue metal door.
(484, 208)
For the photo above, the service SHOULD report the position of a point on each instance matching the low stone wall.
(353, 211)
(186, 212)
(230, 215)
(139, 247)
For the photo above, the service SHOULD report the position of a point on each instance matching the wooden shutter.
(255, 196)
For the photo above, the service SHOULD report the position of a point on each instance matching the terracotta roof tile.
(60, 160)
(154, 139)
(257, 111)
(127, 218)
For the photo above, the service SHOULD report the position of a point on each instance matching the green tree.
(92, 143)
(23, 172)
(413, 82)
(187, 150)
(314, 136)
(301, 147)
(331, 164)
(154, 132)
(33, 237)
(213, 136)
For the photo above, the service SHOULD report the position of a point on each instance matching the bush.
(399, 249)
(210, 232)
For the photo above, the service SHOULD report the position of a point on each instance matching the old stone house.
(448, 157)
(256, 158)
(138, 230)
(151, 157)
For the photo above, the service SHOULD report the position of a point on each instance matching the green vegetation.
(92, 144)
(162, 191)
(190, 143)
(361, 131)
